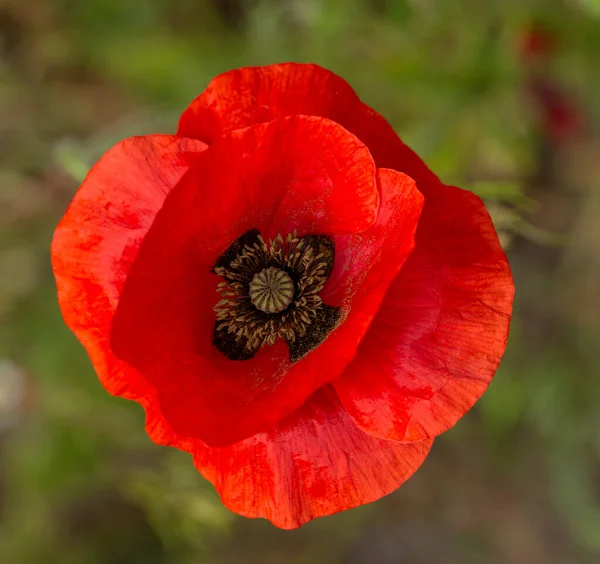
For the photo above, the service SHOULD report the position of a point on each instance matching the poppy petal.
(441, 331)
(159, 430)
(170, 287)
(251, 95)
(97, 240)
(314, 463)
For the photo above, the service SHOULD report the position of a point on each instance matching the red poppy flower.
(287, 289)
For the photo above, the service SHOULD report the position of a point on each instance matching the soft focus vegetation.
(517, 480)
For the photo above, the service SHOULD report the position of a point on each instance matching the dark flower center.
(271, 291)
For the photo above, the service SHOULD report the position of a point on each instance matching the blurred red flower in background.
(536, 41)
(289, 292)
(558, 114)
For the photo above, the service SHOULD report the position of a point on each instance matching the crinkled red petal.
(97, 240)
(251, 95)
(442, 329)
(366, 263)
(314, 463)
(164, 321)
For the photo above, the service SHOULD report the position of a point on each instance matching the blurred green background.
(499, 96)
